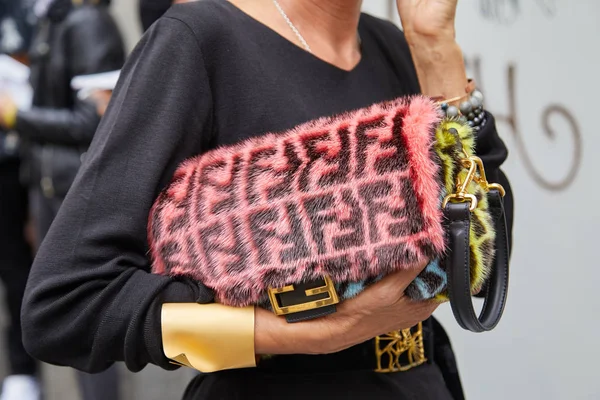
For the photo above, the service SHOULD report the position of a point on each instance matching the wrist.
(274, 335)
(435, 53)
(441, 37)
(267, 333)
(440, 66)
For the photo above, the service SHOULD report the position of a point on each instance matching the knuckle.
(424, 311)
(387, 296)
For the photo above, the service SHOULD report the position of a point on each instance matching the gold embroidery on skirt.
(400, 350)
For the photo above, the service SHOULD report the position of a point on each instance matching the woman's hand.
(428, 18)
(380, 309)
(101, 98)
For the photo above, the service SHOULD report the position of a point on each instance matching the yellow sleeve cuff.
(208, 337)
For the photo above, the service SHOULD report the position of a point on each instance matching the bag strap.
(458, 217)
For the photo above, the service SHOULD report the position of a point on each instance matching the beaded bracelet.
(469, 111)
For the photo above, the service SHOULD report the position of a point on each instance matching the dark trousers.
(102, 386)
(15, 261)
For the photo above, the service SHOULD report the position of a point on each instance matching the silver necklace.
(292, 26)
(297, 32)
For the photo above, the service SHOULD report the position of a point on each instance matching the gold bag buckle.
(474, 165)
(328, 288)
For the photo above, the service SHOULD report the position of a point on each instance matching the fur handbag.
(301, 220)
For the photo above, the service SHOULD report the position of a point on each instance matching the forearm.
(273, 335)
(440, 66)
(59, 126)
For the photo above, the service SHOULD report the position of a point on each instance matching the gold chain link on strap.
(475, 173)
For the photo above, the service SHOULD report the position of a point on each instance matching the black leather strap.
(457, 261)
(310, 314)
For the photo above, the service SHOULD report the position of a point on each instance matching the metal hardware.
(461, 194)
(475, 173)
(482, 180)
(497, 186)
(461, 198)
(400, 350)
(329, 289)
(471, 175)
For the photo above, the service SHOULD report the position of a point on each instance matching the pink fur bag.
(351, 197)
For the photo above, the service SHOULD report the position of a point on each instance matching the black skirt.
(343, 375)
(420, 383)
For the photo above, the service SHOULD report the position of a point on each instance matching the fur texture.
(354, 197)
(431, 283)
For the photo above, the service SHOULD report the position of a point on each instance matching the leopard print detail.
(432, 282)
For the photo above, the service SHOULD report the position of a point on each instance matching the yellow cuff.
(208, 337)
(9, 118)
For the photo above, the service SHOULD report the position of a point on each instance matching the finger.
(391, 288)
(388, 290)
(421, 310)
(403, 278)
(428, 309)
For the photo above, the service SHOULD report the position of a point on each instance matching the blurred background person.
(71, 39)
(22, 383)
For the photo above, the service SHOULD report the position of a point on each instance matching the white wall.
(546, 347)
(127, 16)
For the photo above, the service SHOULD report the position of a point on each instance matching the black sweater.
(206, 74)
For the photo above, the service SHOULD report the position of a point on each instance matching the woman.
(212, 73)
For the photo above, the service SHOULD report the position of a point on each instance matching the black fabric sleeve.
(93, 44)
(70, 127)
(90, 299)
(493, 152)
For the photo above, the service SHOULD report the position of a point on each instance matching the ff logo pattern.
(352, 197)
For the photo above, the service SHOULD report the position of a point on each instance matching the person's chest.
(275, 90)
